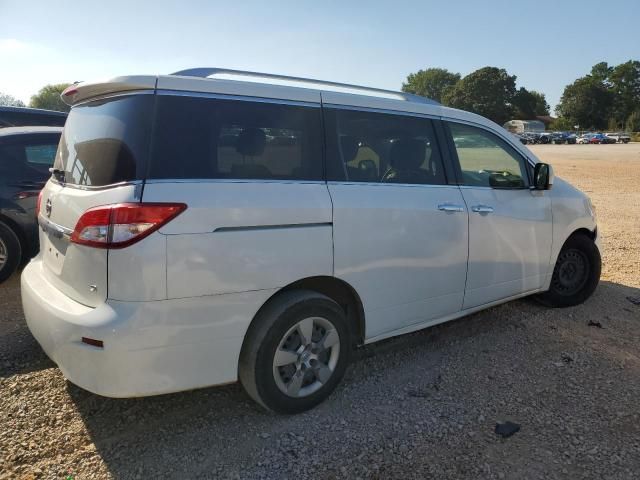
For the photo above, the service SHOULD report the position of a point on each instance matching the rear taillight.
(122, 224)
(38, 203)
(70, 90)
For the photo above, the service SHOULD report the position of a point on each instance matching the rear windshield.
(106, 141)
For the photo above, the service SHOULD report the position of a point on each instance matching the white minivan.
(197, 230)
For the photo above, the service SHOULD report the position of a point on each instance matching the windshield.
(105, 141)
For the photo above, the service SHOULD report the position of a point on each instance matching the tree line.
(607, 98)
(48, 97)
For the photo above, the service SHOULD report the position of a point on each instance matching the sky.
(546, 44)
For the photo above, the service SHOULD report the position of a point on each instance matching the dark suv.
(26, 154)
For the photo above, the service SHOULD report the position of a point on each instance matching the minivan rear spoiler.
(79, 92)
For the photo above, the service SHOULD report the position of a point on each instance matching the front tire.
(10, 252)
(576, 273)
(296, 352)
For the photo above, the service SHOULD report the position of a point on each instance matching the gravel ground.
(423, 405)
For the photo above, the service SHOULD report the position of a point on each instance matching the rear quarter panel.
(240, 236)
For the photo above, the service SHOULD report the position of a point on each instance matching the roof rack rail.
(209, 71)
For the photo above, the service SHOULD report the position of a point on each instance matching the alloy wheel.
(306, 357)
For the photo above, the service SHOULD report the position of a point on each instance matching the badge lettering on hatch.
(48, 207)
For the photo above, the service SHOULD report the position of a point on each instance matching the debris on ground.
(507, 429)
(634, 300)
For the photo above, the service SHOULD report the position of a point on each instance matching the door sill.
(462, 313)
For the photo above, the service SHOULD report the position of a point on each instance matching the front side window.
(486, 160)
(382, 148)
(211, 138)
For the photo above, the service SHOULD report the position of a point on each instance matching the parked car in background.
(584, 139)
(599, 138)
(563, 137)
(171, 260)
(521, 138)
(544, 138)
(22, 116)
(619, 137)
(26, 154)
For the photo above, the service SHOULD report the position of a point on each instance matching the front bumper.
(149, 347)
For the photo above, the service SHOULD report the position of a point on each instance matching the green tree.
(542, 107)
(633, 122)
(624, 81)
(528, 105)
(561, 124)
(586, 102)
(607, 96)
(488, 91)
(10, 101)
(601, 72)
(49, 98)
(431, 83)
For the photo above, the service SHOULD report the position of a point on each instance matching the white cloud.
(9, 46)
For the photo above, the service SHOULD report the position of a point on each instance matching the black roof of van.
(22, 116)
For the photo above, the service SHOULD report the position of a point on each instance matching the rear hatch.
(101, 160)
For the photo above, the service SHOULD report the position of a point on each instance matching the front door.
(510, 225)
(400, 230)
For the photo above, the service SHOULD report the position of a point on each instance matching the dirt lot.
(420, 406)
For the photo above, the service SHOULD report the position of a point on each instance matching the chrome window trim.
(231, 180)
(241, 98)
(95, 188)
(389, 184)
(402, 113)
(473, 187)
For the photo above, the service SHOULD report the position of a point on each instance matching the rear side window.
(40, 154)
(107, 141)
(210, 138)
(382, 148)
(28, 158)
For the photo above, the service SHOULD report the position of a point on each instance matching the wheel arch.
(339, 291)
(583, 231)
(557, 248)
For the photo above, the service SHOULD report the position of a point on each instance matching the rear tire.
(295, 352)
(576, 273)
(10, 252)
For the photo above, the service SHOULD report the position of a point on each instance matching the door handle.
(482, 209)
(448, 207)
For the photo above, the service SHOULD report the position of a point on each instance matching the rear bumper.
(149, 347)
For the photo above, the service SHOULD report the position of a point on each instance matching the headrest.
(251, 141)
(407, 153)
(349, 146)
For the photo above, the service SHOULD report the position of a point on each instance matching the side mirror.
(542, 177)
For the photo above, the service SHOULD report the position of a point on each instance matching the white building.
(522, 126)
